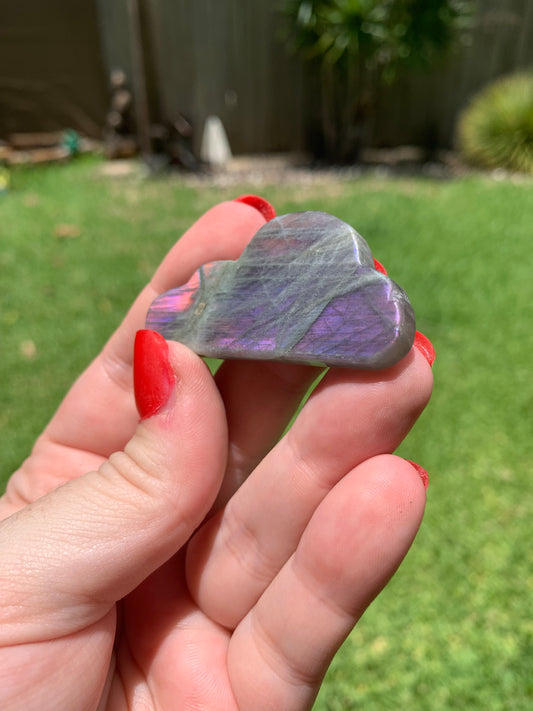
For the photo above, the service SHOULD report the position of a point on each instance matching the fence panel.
(225, 57)
(51, 72)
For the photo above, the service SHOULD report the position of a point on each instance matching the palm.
(214, 623)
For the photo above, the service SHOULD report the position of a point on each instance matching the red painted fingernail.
(264, 207)
(422, 473)
(425, 347)
(153, 377)
(379, 267)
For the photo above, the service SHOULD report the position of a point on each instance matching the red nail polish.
(425, 347)
(153, 377)
(260, 204)
(379, 267)
(422, 473)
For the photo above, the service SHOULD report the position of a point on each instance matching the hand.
(120, 592)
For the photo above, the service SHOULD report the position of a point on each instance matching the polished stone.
(305, 290)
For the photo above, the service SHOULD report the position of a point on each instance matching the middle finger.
(260, 398)
(350, 417)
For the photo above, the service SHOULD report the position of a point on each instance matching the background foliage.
(358, 45)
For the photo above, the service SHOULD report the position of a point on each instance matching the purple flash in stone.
(304, 290)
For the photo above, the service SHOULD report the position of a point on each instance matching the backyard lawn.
(454, 629)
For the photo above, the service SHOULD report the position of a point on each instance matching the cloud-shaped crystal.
(304, 290)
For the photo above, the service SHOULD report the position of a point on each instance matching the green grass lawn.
(454, 629)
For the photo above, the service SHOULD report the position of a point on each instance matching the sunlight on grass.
(454, 629)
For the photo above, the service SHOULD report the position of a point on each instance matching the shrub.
(496, 129)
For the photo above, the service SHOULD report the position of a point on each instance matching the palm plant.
(358, 45)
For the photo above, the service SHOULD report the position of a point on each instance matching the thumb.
(73, 553)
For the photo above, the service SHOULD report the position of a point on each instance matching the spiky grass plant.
(496, 129)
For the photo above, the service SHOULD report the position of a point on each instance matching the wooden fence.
(229, 58)
(221, 57)
(51, 71)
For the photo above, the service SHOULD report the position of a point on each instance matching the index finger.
(98, 414)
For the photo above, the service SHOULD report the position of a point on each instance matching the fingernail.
(425, 347)
(153, 377)
(260, 204)
(422, 473)
(379, 267)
